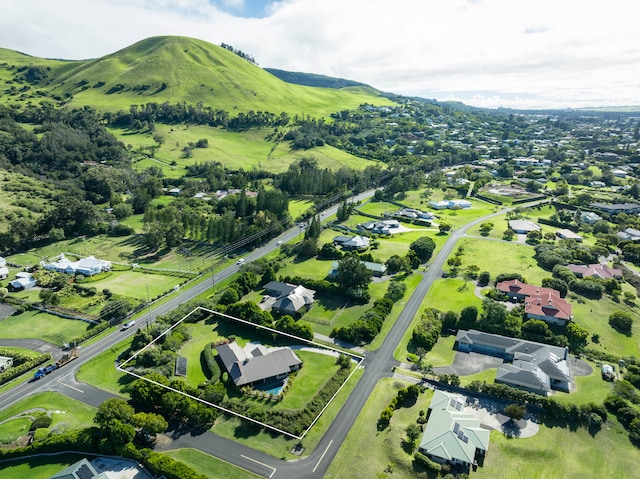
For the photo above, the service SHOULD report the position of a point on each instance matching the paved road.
(378, 364)
(32, 344)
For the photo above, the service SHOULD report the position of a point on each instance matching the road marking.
(70, 387)
(322, 457)
(262, 464)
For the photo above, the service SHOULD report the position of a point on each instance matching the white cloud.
(487, 53)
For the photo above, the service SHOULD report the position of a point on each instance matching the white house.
(23, 281)
(439, 205)
(459, 204)
(88, 266)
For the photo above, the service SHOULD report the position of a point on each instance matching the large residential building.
(523, 226)
(529, 365)
(540, 303)
(255, 364)
(630, 234)
(453, 436)
(614, 209)
(290, 299)
(599, 270)
(88, 266)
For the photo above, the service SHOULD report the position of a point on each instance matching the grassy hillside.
(171, 69)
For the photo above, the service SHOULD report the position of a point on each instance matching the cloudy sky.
(512, 53)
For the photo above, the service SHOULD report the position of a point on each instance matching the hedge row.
(212, 364)
(559, 224)
(83, 440)
(161, 465)
(23, 367)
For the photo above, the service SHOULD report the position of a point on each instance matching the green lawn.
(378, 208)
(552, 452)
(590, 388)
(594, 314)
(67, 414)
(14, 428)
(202, 333)
(102, 373)
(560, 452)
(37, 467)
(442, 353)
(134, 284)
(34, 324)
(210, 466)
(368, 453)
(501, 257)
(297, 207)
(317, 369)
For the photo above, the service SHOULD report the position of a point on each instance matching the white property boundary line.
(358, 358)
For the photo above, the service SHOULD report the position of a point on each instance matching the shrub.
(423, 461)
(621, 320)
(212, 365)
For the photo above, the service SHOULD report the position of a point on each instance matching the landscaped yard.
(67, 414)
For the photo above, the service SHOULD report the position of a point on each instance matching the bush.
(427, 331)
(41, 420)
(212, 365)
(621, 320)
(423, 461)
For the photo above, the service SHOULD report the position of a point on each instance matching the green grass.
(378, 208)
(66, 413)
(210, 466)
(317, 369)
(202, 333)
(13, 429)
(442, 353)
(589, 389)
(297, 207)
(501, 257)
(134, 284)
(37, 467)
(594, 315)
(370, 458)
(102, 373)
(560, 452)
(180, 69)
(34, 324)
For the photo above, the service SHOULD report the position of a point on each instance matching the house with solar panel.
(453, 436)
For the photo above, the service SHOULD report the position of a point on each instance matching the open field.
(210, 466)
(297, 207)
(134, 284)
(34, 324)
(501, 257)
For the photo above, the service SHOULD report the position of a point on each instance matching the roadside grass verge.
(102, 373)
(210, 466)
(37, 325)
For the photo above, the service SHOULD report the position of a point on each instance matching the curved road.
(378, 364)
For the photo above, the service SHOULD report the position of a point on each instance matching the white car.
(240, 261)
(128, 325)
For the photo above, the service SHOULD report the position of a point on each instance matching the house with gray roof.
(630, 234)
(453, 436)
(255, 363)
(523, 226)
(528, 365)
(291, 299)
(80, 470)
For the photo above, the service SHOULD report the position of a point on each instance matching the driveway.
(32, 344)
(489, 412)
(465, 364)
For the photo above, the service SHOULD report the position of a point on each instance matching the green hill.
(169, 69)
